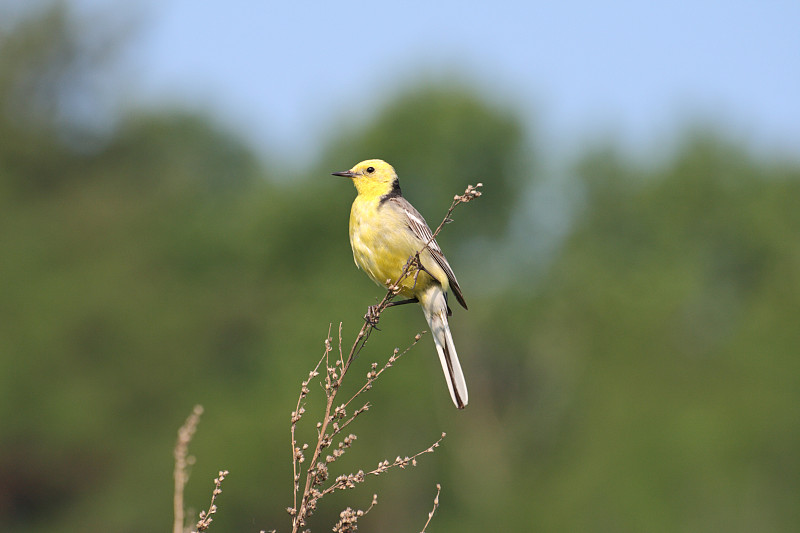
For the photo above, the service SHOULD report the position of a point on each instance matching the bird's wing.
(420, 228)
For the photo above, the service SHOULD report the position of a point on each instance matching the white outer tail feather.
(434, 306)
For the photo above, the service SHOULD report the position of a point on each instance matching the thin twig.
(205, 516)
(373, 374)
(435, 506)
(333, 423)
(297, 414)
(348, 519)
(349, 481)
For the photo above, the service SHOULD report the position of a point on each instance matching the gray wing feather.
(417, 224)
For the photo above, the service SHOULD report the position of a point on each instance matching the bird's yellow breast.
(382, 244)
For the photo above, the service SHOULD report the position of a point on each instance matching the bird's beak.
(345, 174)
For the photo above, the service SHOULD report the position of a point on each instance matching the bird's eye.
(370, 170)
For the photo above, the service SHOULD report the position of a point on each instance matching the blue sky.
(287, 73)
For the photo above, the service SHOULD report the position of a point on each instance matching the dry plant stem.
(182, 462)
(372, 375)
(349, 481)
(317, 469)
(435, 506)
(205, 516)
(299, 514)
(470, 194)
(297, 455)
(348, 519)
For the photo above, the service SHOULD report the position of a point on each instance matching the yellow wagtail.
(385, 231)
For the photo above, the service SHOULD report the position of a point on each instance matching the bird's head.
(373, 177)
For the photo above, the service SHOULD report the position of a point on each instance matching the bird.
(385, 232)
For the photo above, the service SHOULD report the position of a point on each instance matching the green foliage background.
(642, 374)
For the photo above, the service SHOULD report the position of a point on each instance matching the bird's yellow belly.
(382, 252)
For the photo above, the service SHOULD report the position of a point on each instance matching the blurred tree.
(51, 96)
(662, 344)
(110, 254)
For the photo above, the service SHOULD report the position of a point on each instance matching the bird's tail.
(434, 306)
